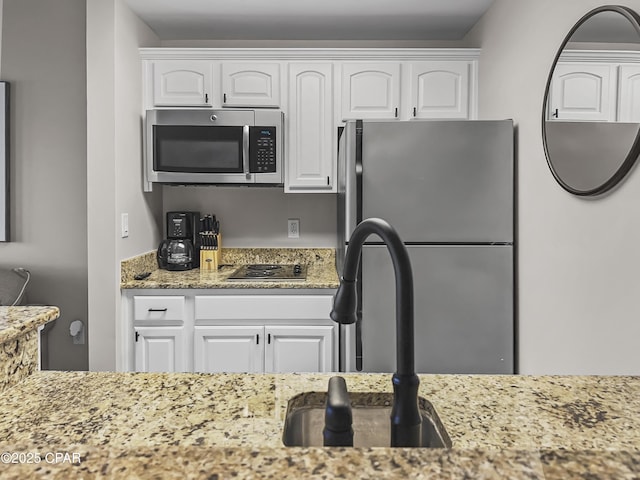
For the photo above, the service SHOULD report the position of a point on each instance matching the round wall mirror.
(591, 114)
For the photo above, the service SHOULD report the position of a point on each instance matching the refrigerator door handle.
(359, 356)
(358, 326)
(359, 156)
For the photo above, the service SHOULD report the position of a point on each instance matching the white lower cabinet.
(272, 348)
(160, 349)
(263, 333)
(304, 348)
(228, 349)
(250, 333)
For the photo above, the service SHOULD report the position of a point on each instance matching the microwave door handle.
(245, 149)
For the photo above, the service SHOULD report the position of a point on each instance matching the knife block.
(211, 259)
(208, 261)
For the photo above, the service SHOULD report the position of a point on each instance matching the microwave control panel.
(262, 149)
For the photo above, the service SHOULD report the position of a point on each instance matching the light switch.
(124, 220)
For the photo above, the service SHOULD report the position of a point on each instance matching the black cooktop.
(270, 272)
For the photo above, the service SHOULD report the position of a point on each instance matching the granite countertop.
(16, 321)
(137, 425)
(320, 262)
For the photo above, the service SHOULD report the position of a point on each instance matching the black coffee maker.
(180, 251)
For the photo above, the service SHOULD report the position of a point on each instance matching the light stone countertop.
(19, 353)
(17, 321)
(144, 425)
(320, 262)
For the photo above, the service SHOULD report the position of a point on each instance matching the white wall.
(43, 57)
(578, 258)
(1, 10)
(144, 209)
(257, 217)
(114, 100)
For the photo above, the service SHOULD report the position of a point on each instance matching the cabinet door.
(440, 89)
(629, 93)
(583, 92)
(160, 349)
(229, 349)
(250, 84)
(311, 154)
(181, 83)
(299, 348)
(370, 90)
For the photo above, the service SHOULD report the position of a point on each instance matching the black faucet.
(338, 418)
(405, 416)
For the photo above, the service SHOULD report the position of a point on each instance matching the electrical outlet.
(124, 222)
(293, 228)
(76, 330)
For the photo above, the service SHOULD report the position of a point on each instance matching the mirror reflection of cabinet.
(629, 93)
(583, 91)
(592, 102)
(605, 89)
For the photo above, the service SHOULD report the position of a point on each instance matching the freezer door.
(436, 181)
(464, 309)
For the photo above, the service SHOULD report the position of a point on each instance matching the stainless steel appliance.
(270, 272)
(242, 147)
(180, 250)
(448, 189)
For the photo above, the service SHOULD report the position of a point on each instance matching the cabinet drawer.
(158, 308)
(263, 307)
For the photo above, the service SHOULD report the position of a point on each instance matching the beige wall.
(43, 57)
(578, 258)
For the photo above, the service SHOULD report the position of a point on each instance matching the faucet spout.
(405, 416)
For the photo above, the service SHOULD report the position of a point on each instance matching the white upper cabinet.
(583, 92)
(250, 84)
(440, 89)
(629, 93)
(311, 156)
(370, 90)
(317, 90)
(181, 83)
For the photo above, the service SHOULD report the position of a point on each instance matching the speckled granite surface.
(128, 425)
(321, 270)
(19, 341)
(18, 359)
(15, 321)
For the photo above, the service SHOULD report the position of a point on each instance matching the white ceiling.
(310, 19)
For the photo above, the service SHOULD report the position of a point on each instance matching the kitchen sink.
(304, 421)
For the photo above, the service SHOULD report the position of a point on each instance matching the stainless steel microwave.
(231, 147)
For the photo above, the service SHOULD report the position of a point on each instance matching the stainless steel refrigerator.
(448, 189)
